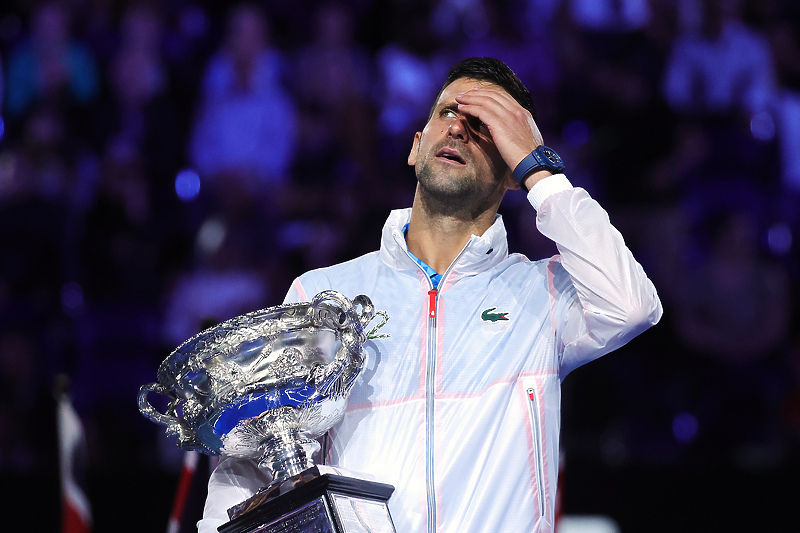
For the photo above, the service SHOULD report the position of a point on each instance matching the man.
(459, 407)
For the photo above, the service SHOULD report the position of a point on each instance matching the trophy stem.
(284, 455)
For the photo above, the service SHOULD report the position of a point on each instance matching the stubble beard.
(460, 196)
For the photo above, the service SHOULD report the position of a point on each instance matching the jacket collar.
(480, 253)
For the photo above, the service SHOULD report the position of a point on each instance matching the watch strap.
(534, 161)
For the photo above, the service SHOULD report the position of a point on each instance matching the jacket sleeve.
(603, 298)
(232, 481)
(297, 293)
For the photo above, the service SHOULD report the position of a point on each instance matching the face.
(454, 157)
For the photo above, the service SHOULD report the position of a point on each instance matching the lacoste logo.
(488, 316)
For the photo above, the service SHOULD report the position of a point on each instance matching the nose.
(459, 130)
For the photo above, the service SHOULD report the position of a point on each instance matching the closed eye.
(476, 123)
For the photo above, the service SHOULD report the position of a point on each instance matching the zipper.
(430, 384)
(538, 443)
(430, 387)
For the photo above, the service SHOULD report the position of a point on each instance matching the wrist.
(539, 164)
(533, 178)
(545, 188)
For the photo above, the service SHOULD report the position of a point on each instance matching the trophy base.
(327, 503)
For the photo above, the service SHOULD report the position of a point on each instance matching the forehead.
(461, 85)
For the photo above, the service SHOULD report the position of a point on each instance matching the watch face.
(552, 156)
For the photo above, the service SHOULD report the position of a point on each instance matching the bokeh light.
(187, 185)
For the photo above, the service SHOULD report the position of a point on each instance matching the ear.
(510, 182)
(412, 156)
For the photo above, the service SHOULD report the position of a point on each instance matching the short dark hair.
(490, 70)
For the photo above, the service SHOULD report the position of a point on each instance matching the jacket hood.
(480, 253)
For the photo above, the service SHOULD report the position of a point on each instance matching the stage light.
(187, 185)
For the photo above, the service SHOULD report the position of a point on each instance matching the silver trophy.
(265, 385)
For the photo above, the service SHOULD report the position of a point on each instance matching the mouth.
(450, 155)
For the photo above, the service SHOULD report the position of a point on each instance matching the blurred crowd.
(168, 164)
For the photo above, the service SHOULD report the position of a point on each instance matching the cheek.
(496, 159)
(498, 167)
(425, 148)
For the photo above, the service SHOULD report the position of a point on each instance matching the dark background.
(162, 168)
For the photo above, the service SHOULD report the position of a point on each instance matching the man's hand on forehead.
(511, 126)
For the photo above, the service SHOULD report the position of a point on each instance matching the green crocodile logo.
(488, 316)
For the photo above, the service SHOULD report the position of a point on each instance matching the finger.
(510, 125)
(488, 112)
(502, 104)
(490, 98)
(496, 109)
(490, 92)
(480, 101)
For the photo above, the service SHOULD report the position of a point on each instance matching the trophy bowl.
(264, 385)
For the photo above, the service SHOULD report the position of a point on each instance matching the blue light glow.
(187, 185)
(684, 427)
(762, 126)
(779, 238)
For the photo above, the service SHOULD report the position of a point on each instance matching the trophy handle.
(367, 312)
(357, 314)
(358, 317)
(175, 425)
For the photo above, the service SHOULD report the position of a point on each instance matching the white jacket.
(459, 408)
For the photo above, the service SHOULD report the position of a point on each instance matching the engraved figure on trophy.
(265, 385)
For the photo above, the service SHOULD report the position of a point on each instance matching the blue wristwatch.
(543, 158)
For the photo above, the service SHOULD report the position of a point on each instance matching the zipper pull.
(432, 303)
